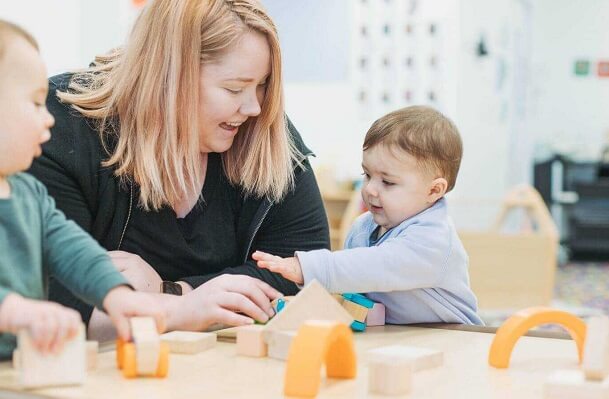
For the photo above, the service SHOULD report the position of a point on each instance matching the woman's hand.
(228, 299)
(139, 273)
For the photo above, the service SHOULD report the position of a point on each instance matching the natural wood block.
(358, 312)
(596, 348)
(147, 343)
(188, 342)
(92, 347)
(279, 344)
(421, 358)
(572, 384)
(389, 377)
(376, 315)
(250, 341)
(40, 370)
(313, 302)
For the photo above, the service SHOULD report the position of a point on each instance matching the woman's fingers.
(241, 303)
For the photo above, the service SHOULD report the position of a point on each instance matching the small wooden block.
(279, 343)
(92, 347)
(339, 298)
(421, 358)
(376, 315)
(313, 302)
(572, 384)
(188, 342)
(596, 348)
(45, 370)
(250, 341)
(147, 344)
(389, 377)
(358, 312)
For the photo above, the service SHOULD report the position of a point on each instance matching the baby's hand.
(48, 323)
(122, 302)
(287, 267)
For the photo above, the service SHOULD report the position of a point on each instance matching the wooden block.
(389, 377)
(358, 312)
(339, 298)
(188, 342)
(572, 384)
(279, 343)
(421, 358)
(250, 341)
(44, 370)
(376, 315)
(92, 347)
(147, 343)
(313, 302)
(596, 348)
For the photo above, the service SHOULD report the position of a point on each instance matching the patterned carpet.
(583, 285)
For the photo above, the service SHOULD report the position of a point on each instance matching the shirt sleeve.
(415, 259)
(75, 258)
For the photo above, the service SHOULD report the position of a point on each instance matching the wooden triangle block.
(312, 302)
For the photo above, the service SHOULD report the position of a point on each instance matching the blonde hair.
(145, 96)
(430, 137)
(8, 29)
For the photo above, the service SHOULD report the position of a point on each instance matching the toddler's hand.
(122, 302)
(287, 267)
(48, 323)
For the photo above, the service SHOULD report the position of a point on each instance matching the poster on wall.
(603, 69)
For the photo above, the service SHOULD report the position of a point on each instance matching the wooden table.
(219, 373)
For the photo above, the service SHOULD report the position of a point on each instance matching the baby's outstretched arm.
(287, 267)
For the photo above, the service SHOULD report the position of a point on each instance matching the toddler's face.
(24, 119)
(395, 188)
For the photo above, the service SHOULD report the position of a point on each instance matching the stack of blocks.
(358, 306)
(592, 382)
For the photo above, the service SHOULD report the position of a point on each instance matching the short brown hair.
(430, 137)
(7, 29)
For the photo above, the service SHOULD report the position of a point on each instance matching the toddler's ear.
(437, 189)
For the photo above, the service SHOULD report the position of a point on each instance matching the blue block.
(280, 304)
(359, 299)
(358, 326)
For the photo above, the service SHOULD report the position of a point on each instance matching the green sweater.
(36, 240)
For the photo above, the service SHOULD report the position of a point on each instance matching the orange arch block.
(319, 342)
(521, 322)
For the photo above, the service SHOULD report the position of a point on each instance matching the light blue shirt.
(418, 269)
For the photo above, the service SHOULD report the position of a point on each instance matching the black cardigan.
(93, 197)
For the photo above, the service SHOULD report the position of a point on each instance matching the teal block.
(359, 299)
(358, 326)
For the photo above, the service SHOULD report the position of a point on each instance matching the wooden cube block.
(92, 347)
(44, 370)
(572, 384)
(358, 312)
(389, 377)
(188, 342)
(250, 341)
(279, 343)
(148, 344)
(596, 348)
(376, 315)
(421, 358)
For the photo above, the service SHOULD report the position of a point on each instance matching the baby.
(35, 238)
(404, 252)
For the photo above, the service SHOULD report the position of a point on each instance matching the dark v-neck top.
(204, 241)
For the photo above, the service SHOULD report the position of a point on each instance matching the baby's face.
(395, 187)
(24, 119)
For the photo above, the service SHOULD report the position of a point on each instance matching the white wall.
(569, 112)
(71, 32)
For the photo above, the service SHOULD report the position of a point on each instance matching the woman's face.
(231, 90)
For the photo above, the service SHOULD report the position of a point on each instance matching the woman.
(175, 154)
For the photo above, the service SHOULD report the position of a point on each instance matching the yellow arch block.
(521, 322)
(316, 343)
